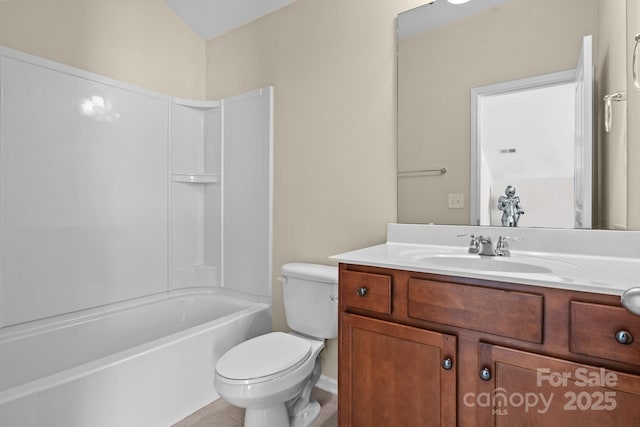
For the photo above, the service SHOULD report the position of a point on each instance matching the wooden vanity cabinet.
(527, 389)
(394, 374)
(417, 349)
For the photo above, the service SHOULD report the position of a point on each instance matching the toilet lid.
(264, 356)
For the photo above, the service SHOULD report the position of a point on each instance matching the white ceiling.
(212, 18)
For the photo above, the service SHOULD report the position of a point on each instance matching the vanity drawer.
(511, 314)
(365, 290)
(594, 328)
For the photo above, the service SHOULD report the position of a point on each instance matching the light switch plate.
(456, 201)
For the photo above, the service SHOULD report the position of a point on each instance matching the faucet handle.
(505, 238)
(474, 244)
(502, 247)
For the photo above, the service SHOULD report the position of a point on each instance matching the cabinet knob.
(485, 374)
(361, 291)
(624, 337)
(447, 363)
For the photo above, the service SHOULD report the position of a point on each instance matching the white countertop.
(606, 262)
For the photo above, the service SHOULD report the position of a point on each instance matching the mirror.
(526, 136)
(448, 54)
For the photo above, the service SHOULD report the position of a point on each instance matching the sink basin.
(454, 258)
(484, 263)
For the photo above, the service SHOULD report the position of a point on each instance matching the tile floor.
(223, 414)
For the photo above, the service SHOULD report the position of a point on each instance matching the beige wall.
(438, 68)
(332, 63)
(141, 42)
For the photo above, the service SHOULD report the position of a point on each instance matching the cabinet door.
(395, 375)
(521, 388)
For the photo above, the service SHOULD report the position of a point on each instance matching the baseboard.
(328, 384)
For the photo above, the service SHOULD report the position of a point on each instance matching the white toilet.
(272, 375)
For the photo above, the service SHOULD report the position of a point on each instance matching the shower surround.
(112, 194)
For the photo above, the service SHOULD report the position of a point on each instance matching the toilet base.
(307, 416)
(273, 416)
(278, 416)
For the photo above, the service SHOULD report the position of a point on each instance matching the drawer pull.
(361, 291)
(485, 374)
(624, 337)
(447, 363)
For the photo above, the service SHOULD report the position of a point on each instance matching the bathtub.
(144, 362)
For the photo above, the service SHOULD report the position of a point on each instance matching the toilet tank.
(311, 299)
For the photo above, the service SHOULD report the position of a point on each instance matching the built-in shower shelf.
(196, 178)
(200, 105)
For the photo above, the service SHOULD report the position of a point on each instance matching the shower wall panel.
(247, 192)
(83, 190)
(110, 192)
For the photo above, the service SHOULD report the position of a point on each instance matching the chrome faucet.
(474, 244)
(486, 246)
(483, 245)
(502, 248)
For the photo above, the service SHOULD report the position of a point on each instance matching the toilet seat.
(264, 358)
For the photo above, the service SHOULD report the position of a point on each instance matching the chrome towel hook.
(608, 112)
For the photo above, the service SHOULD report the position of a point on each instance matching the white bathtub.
(145, 362)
